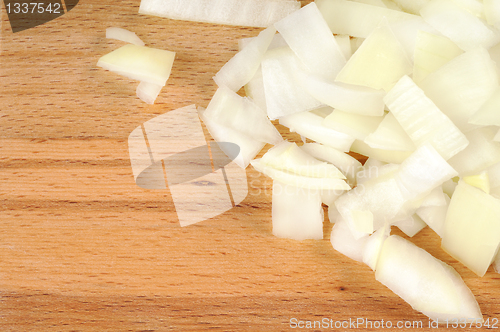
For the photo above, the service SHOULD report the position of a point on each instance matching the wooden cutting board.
(83, 248)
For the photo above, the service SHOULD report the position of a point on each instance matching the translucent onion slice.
(283, 95)
(385, 155)
(472, 228)
(492, 12)
(431, 52)
(255, 13)
(426, 283)
(240, 113)
(123, 35)
(308, 35)
(422, 120)
(300, 181)
(248, 146)
(345, 97)
(488, 114)
(356, 19)
(310, 125)
(389, 135)
(148, 92)
(141, 63)
(344, 242)
(378, 63)
(240, 69)
(287, 156)
(355, 125)
(461, 86)
(460, 25)
(296, 212)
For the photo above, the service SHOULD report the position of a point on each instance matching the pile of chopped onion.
(413, 86)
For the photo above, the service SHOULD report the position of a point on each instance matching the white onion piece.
(344, 242)
(296, 212)
(373, 169)
(345, 97)
(241, 114)
(422, 120)
(436, 197)
(344, 42)
(388, 156)
(476, 7)
(406, 32)
(254, 89)
(240, 69)
(123, 35)
(389, 135)
(148, 92)
(458, 24)
(494, 175)
(488, 113)
(300, 181)
(481, 153)
(373, 246)
(461, 86)
(423, 171)
(426, 283)
(378, 3)
(249, 147)
(480, 181)
(381, 196)
(431, 52)
(356, 19)
(141, 63)
(410, 225)
(378, 63)
(255, 13)
(472, 228)
(287, 156)
(355, 125)
(412, 6)
(434, 216)
(310, 125)
(345, 163)
(492, 12)
(308, 35)
(283, 95)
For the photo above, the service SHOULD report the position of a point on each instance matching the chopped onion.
(255, 13)
(123, 35)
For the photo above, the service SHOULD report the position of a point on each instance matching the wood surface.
(82, 248)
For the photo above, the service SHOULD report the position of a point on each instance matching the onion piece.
(283, 95)
(389, 135)
(248, 146)
(385, 155)
(300, 181)
(287, 156)
(229, 109)
(457, 23)
(472, 228)
(355, 125)
(310, 125)
(123, 35)
(378, 63)
(344, 242)
(431, 52)
(410, 225)
(345, 97)
(240, 69)
(426, 283)
(254, 13)
(488, 114)
(480, 181)
(308, 35)
(296, 212)
(461, 86)
(148, 92)
(422, 120)
(492, 12)
(141, 63)
(356, 19)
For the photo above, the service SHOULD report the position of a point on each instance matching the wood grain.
(82, 248)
